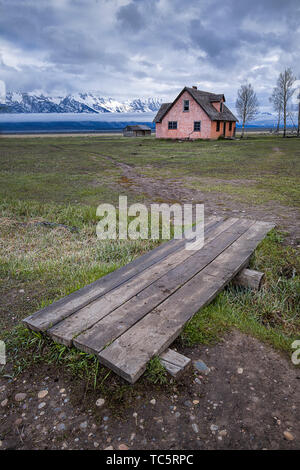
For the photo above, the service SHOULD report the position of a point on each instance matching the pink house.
(195, 114)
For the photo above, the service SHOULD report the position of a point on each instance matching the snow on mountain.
(94, 103)
(266, 119)
(77, 103)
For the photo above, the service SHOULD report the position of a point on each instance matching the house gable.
(178, 123)
(209, 102)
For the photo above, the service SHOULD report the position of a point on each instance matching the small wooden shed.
(138, 130)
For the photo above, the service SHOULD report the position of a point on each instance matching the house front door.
(224, 129)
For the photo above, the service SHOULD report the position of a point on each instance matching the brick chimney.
(195, 88)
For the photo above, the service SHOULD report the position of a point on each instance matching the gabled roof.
(205, 100)
(162, 111)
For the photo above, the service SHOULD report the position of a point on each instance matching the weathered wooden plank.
(85, 318)
(244, 248)
(62, 308)
(110, 327)
(249, 278)
(174, 362)
(129, 354)
(173, 370)
(173, 357)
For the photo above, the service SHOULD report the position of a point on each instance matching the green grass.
(63, 180)
(60, 171)
(49, 263)
(74, 170)
(257, 169)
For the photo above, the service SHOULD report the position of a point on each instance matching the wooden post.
(249, 278)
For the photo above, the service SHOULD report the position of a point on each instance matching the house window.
(172, 125)
(197, 126)
(186, 105)
(221, 106)
(218, 126)
(230, 126)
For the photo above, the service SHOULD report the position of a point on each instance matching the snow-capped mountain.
(77, 103)
(266, 119)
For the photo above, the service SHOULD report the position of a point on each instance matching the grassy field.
(62, 180)
(259, 169)
(75, 170)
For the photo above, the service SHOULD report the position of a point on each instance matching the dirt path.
(250, 399)
(171, 191)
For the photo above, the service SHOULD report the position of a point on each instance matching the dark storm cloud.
(147, 47)
(130, 17)
(26, 23)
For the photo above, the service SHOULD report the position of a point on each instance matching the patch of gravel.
(258, 408)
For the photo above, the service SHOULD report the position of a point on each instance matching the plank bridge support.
(249, 278)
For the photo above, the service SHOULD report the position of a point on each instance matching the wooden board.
(62, 308)
(174, 362)
(121, 319)
(85, 318)
(128, 355)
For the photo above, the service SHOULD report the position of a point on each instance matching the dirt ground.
(249, 399)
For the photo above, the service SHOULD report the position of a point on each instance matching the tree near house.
(246, 105)
(285, 83)
(276, 100)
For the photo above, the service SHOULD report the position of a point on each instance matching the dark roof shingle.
(138, 127)
(162, 111)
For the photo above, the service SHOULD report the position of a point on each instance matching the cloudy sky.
(131, 48)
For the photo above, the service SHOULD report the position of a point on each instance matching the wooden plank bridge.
(137, 311)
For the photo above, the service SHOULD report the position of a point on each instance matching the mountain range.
(77, 103)
(95, 104)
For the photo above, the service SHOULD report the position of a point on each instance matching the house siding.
(185, 121)
(214, 134)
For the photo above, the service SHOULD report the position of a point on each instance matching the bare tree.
(276, 100)
(285, 83)
(246, 105)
